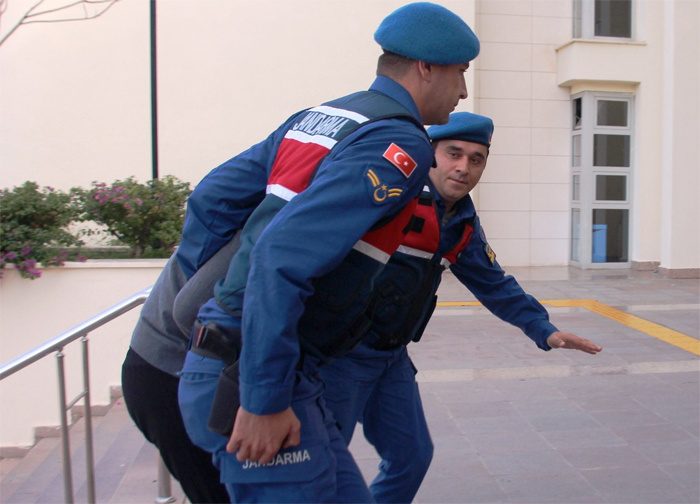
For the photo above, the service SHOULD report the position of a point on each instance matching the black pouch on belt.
(224, 344)
(227, 399)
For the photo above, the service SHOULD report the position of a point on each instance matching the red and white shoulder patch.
(400, 159)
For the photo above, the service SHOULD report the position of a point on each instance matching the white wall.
(239, 69)
(681, 137)
(75, 97)
(35, 311)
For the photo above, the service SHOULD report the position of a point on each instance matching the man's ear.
(425, 70)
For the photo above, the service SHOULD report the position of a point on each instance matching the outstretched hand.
(560, 339)
(258, 438)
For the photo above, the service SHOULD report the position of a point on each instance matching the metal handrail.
(56, 345)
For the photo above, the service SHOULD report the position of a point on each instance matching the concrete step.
(125, 465)
(30, 471)
(38, 476)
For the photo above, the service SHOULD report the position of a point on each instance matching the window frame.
(583, 21)
(587, 174)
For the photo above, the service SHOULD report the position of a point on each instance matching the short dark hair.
(393, 65)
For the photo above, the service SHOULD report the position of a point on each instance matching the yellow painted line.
(682, 341)
(459, 303)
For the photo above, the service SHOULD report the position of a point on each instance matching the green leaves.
(33, 224)
(147, 217)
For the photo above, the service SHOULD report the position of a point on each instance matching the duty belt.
(215, 342)
(381, 342)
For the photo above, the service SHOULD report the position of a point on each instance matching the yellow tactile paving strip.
(683, 341)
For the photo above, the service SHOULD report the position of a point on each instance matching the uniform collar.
(394, 90)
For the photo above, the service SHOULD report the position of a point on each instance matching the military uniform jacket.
(405, 291)
(371, 174)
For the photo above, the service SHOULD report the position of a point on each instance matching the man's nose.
(462, 166)
(463, 92)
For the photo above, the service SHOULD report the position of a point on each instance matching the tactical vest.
(334, 319)
(405, 293)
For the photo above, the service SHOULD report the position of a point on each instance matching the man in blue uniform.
(375, 383)
(341, 183)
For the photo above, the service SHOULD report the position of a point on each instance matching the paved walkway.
(512, 423)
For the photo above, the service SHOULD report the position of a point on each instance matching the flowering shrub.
(33, 228)
(147, 217)
(33, 221)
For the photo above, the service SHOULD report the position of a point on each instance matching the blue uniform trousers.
(320, 469)
(379, 389)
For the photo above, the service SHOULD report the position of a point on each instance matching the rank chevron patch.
(381, 192)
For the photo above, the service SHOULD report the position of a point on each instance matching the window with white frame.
(601, 171)
(602, 18)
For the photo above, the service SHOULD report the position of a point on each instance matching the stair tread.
(122, 458)
(31, 470)
(142, 479)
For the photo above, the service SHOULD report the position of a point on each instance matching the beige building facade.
(595, 155)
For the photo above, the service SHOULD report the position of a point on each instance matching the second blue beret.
(464, 126)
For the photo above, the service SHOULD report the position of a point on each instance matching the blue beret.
(464, 126)
(428, 32)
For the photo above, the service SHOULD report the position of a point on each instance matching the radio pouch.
(226, 401)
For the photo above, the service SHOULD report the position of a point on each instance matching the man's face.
(460, 165)
(448, 87)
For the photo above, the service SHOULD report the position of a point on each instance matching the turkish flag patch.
(399, 158)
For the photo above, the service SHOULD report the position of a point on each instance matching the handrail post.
(89, 453)
(57, 345)
(65, 440)
(165, 494)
